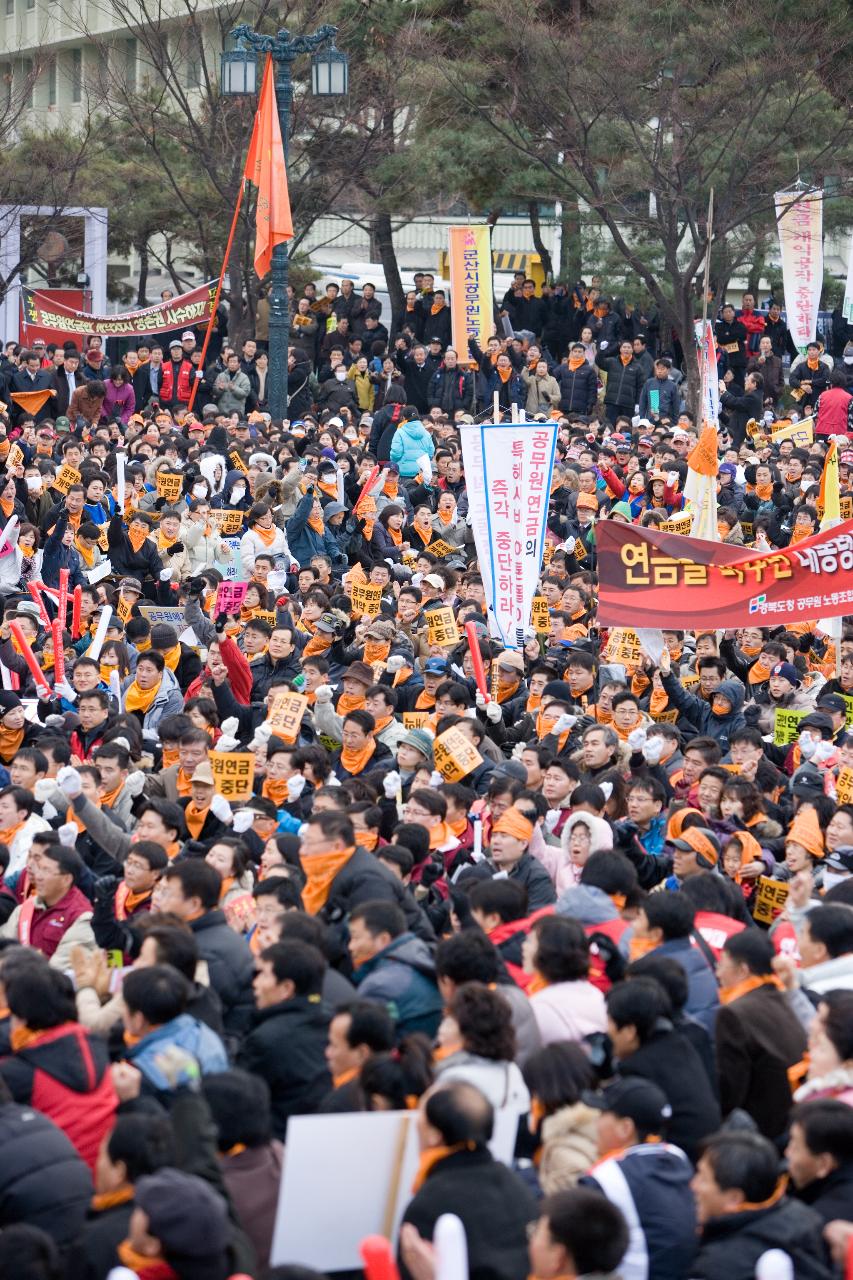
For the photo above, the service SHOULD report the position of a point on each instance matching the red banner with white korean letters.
(649, 578)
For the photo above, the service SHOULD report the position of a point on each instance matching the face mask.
(199, 490)
(33, 484)
(341, 374)
(238, 493)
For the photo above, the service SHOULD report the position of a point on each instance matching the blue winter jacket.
(703, 997)
(305, 542)
(411, 440)
(187, 1033)
(402, 976)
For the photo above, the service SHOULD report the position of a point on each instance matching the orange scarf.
(458, 827)
(10, 743)
(7, 507)
(267, 536)
(348, 702)
(425, 701)
(86, 554)
(396, 535)
(764, 492)
(321, 869)
(383, 723)
(182, 782)
(534, 701)
(543, 729)
(728, 994)
(7, 834)
(390, 487)
(330, 490)
(445, 519)
(136, 699)
(171, 755)
(109, 1199)
(344, 1077)
(195, 818)
(275, 789)
(576, 362)
(504, 374)
(435, 308)
(172, 657)
(109, 798)
(316, 523)
(433, 1156)
(357, 761)
(506, 688)
(318, 643)
(439, 835)
(137, 538)
(425, 538)
(376, 651)
(626, 360)
(814, 365)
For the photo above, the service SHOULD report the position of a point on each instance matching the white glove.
(391, 784)
(519, 750)
(44, 695)
(552, 817)
(64, 689)
(227, 744)
(653, 750)
(295, 786)
(494, 712)
(324, 693)
(569, 545)
(672, 478)
(68, 780)
(44, 789)
(565, 722)
(436, 779)
(807, 744)
(243, 820)
(68, 834)
(221, 809)
(165, 575)
(606, 790)
(480, 700)
(823, 751)
(395, 663)
(230, 727)
(636, 738)
(263, 733)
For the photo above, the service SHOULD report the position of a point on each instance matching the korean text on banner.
(509, 526)
(230, 595)
(472, 456)
(649, 577)
(800, 222)
(191, 308)
(471, 303)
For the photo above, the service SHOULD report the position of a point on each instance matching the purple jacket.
(119, 400)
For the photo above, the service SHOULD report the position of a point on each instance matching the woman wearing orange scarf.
(388, 541)
(360, 751)
(263, 537)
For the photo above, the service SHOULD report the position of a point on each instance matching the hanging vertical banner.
(471, 301)
(710, 376)
(847, 304)
(800, 222)
(508, 519)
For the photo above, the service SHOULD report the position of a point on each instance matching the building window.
(193, 73)
(31, 4)
(27, 74)
(10, 7)
(76, 75)
(51, 83)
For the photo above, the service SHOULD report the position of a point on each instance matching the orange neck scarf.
(136, 699)
(425, 701)
(109, 1199)
(396, 535)
(626, 360)
(321, 869)
(728, 994)
(109, 798)
(318, 643)
(376, 651)
(7, 507)
(275, 789)
(195, 818)
(534, 701)
(357, 761)
(576, 362)
(504, 374)
(348, 702)
(316, 523)
(10, 743)
(267, 536)
(137, 538)
(433, 1156)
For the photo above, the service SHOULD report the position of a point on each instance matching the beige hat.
(203, 773)
(511, 659)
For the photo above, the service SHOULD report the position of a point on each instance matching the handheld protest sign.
(230, 596)
(284, 714)
(233, 773)
(455, 755)
(441, 627)
(169, 485)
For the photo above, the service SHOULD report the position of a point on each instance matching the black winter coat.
(231, 969)
(287, 1049)
(758, 1039)
(732, 1244)
(494, 1204)
(43, 1181)
(624, 383)
(675, 1067)
(364, 879)
(578, 388)
(831, 1197)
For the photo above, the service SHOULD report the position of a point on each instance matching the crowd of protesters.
(629, 923)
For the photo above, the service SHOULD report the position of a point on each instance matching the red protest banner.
(651, 578)
(189, 309)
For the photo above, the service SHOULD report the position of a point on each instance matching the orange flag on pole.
(31, 401)
(265, 170)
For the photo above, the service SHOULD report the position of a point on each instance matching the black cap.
(832, 702)
(635, 1099)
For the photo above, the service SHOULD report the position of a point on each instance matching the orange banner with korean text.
(649, 577)
(472, 313)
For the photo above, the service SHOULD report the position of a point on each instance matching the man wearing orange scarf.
(758, 1036)
(360, 751)
(511, 835)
